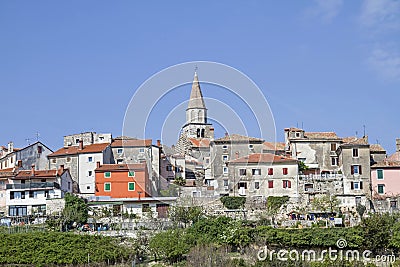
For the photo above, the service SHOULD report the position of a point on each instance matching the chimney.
(19, 163)
(33, 170)
(158, 143)
(10, 147)
(98, 164)
(398, 144)
(80, 144)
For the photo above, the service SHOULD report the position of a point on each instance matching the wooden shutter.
(352, 185)
(359, 169)
(289, 184)
(352, 170)
(361, 185)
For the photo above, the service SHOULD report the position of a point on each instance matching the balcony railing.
(41, 185)
(321, 176)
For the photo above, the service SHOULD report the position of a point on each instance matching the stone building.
(128, 150)
(226, 149)
(316, 149)
(197, 126)
(81, 159)
(261, 175)
(34, 154)
(355, 158)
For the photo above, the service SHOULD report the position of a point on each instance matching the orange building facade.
(122, 180)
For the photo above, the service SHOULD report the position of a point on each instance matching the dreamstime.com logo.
(333, 254)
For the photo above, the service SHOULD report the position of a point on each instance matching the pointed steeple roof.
(196, 97)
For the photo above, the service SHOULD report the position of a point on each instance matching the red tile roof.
(385, 164)
(129, 141)
(394, 157)
(321, 135)
(352, 140)
(74, 150)
(201, 142)
(27, 174)
(238, 137)
(121, 167)
(262, 158)
(274, 146)
(377, 148)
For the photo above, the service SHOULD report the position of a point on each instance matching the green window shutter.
(107, 187)
(131, 186)
(107, 174)
(380, 188)
(131, 174)
(380, 174)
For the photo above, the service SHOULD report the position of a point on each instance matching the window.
(107, 187)
(225, 158)
(225, 170)
(287, 184)
(39, 149)
(224, 147)
(226, 182)
(242, 172)
(355, 152)
(90, 159)
(270, 184)
(88, 187)
(356, 169)
(356, 185)
(107, 174)
(285, 171)
(69, 185)
(141, 150)
(308, 187)
(131, 174)
(251, 146)
(257, 185)
(68, 159)
(120, 150)
(270, 171)
(381, 189)
(76, 141)
(379, 174)
(131, 186)
(242, 185)
(119, 161)
(169, 167)
(54, 160)
(17, 211)
(393, 204)
(334, 161)
(256, 171)
(145, 207)
(333, 147)
(90, 173)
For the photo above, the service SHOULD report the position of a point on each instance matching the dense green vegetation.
(379, 233)
(233, 203)
(50, 248)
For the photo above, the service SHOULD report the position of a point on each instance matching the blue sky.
(72, 66)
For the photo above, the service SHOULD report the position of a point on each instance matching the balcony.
(27, 186)
(326, 176)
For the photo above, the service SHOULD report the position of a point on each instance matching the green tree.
(75, 210)
(171, 245)
(377, 230)
(185, 215)
(302, 166)
(233, 203)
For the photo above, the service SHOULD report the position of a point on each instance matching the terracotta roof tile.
(321, 135)
(385, 164)
(201, 142)
(238, 137)
(26, 174)
(377, 148)
(352, 140)
(129, 141)
(262, 158)
(274, 146)
(74, 150)
(394, 157)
